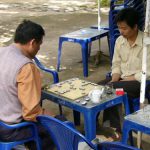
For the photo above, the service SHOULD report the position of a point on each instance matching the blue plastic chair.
(42, 67)
(52, 72)
(115, 146)
(64, 136)
(34, 137)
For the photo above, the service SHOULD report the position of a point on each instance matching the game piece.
(87, 98)
(78, 100)
(84, 103)
(82, 88)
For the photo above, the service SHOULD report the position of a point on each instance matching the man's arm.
(116, 62)
(129, 78)
(29, 92)
(115, 77)
(138, 75)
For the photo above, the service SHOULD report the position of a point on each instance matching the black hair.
(27, 31)
(128, 15)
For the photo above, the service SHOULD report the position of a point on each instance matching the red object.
(119, 91)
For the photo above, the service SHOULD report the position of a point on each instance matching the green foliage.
(104, 2)
(107, 2)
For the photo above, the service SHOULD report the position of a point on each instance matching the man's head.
(29, 36)
(127, 21)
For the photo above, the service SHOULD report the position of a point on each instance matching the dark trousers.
(8, 135)
(133, 91)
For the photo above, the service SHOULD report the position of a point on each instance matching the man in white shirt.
(127, 61)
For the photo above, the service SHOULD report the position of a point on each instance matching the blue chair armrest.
(19, 125)
(108, 75)
(42, 67)
(31, 125)
(33, 135)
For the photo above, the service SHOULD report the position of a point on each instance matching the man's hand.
(115, 77)
(129, 78)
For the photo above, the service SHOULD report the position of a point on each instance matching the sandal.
(112, 135)
(116, 136)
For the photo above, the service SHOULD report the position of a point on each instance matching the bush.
(106, 2)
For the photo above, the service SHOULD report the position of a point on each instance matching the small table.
(90, 110)
(139, 121)
(84, 37)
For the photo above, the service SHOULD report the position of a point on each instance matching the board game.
(73, 89)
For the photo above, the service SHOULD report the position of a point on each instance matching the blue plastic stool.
(134, 122)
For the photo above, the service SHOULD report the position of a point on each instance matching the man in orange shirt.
(20, 88)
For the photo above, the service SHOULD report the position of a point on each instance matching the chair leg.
(135, 104)
(38, 144)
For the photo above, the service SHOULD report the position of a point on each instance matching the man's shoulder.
(13, 55)
(120, 39)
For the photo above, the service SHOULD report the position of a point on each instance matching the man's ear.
(136, 27)
(32, 41)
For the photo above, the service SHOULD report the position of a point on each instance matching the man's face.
(126, 31)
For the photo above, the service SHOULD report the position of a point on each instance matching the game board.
(73, 89)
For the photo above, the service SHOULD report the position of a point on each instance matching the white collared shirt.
(127, 60)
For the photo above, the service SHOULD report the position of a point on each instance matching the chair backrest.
(64, 136)
(115, 146)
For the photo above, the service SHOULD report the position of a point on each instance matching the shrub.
(106, 2)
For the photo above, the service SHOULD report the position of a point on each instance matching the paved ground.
(59, 17)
